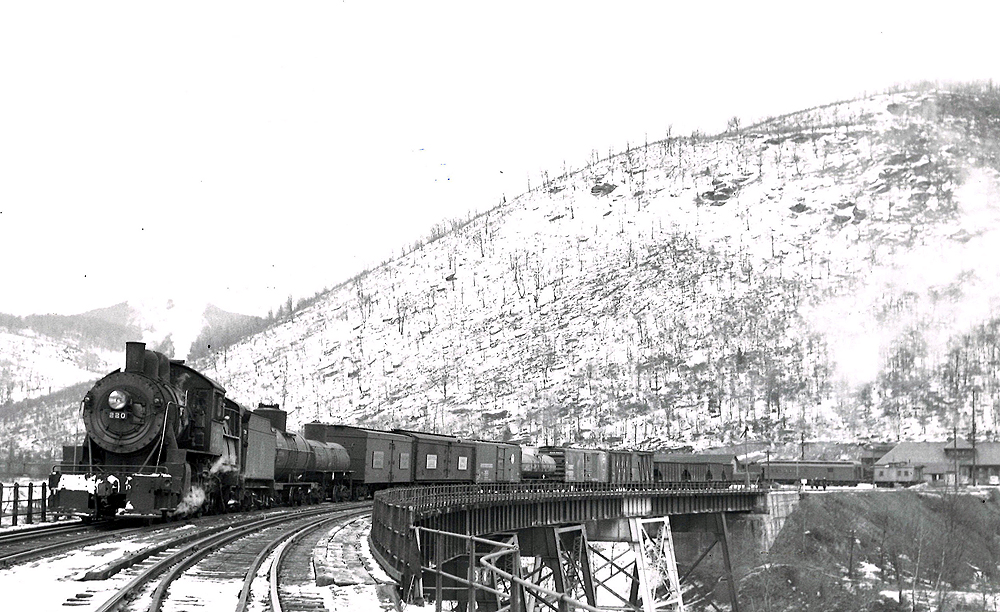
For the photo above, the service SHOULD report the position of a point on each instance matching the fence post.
(45, 500)
(31, 499)
(13, 514)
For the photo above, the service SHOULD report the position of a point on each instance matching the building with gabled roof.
(940, 463)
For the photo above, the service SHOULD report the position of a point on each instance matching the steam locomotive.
(162, 439)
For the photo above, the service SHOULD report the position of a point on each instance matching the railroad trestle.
(528, 546)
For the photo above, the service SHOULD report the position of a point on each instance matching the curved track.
(216, 560)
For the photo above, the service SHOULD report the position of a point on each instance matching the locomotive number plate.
(118, 415)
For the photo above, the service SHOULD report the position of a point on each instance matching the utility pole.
(973, 436)
(955, 443)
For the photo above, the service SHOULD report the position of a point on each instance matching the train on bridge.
(162, 439)
(812, 473)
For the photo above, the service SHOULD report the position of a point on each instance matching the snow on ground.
(55, 580)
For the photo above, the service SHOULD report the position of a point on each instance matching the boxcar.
(497, 462)
(441, 459)
(577, 464)
(378, 458)
(685, 467)
(630, 466)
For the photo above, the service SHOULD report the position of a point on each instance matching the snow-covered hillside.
(828, 274)
(32, 365)
(684, 291)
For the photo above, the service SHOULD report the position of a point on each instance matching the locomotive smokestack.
(135, 356)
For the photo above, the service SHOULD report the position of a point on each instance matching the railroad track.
(219, 559)
(277, 598)
(20, 546)
(42, 531)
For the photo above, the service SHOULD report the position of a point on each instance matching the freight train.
(162, 439)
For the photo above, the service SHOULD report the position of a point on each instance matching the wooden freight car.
(686, 467)
(379, 459)
(441, 459)
(497, 462)
(630, 466)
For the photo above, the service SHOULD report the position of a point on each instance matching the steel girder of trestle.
(560, 568)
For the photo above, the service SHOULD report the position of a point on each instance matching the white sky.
(242, 152)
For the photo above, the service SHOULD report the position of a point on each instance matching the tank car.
(578, 464)
(305, 470)
(536, 465)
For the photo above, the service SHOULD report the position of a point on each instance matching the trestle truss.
(556, 568)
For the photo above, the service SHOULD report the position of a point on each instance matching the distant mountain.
(831, 272)
(222, 329)
(40, 354)
(47, 362)
(120, 314)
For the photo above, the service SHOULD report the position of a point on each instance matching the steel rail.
(21, 535)
(258, 561)
(208, 542)
(282, 548)
(41, 551)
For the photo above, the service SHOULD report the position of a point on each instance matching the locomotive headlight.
(118, 399)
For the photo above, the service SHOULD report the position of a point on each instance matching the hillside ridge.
(822, 274)
(684, 291)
